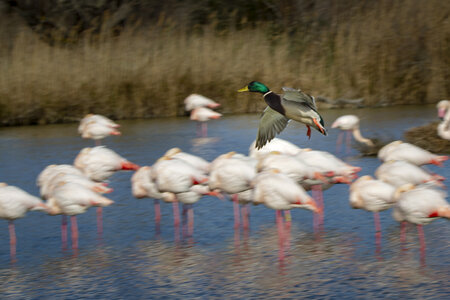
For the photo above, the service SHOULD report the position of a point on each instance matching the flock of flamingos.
(278, 175)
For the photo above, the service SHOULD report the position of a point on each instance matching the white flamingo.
(97, 127)
(52, 170)
(194, 160)
(143, 186)
(232, 173)
(290, 165)
(372, 195)
(14, 204)
(99, 163)
(176, 176)
(99, 119)
(419, 205)
(443, 107)
(98, 131)
(398, 173)
(277, 144)
(350, 125)
(399, 150)
(203, 115)
(49, 182)
(72, 199)
(328, 170)
(443, 129)
(279, 192)
(196, 100)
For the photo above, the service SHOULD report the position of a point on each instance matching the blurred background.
(61, 59)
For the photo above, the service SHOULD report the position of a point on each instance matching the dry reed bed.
(392, 54)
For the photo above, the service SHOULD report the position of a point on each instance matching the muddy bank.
(426, 137)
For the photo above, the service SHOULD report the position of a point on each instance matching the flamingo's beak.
(129, 166)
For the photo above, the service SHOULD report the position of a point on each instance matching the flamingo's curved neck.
(357, 135)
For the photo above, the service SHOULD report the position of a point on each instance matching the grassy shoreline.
(389, 55)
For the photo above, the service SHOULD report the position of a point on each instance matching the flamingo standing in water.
(279, 192)
(419, 205)
(188, 199)
(176, 176)
(14, 204)
(232, 173)
(372, 195)
(399, 150)
(72, 199)
(54, 175)
(97, 127)
(328, 170)
(350, 125)
(143, 186)
(202, 115)
(99, 163)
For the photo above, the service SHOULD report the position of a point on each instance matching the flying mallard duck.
(293, 104)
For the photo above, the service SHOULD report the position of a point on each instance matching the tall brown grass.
(397, 52)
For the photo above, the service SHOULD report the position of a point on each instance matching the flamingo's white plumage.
(194, 160)
(277, 144)
(99, 163)
(233, 173)
(372, 195)
(398, 173)
(399, 150)
(279, 192)
(419, 205)
(98, 131)
(290, 165)
(203, 114)
(72, 199)
(143, 186)
(195, 100)
(98, 119)
(14, 204)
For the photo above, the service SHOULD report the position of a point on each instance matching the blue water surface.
(133, 260)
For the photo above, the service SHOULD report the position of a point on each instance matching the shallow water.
(132, 260)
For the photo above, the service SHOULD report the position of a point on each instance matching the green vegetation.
(388, 52)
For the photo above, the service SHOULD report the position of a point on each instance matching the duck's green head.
(255, 86)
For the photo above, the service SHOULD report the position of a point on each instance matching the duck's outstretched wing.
(291, 94)
(270, 124)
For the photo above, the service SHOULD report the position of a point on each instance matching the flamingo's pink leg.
(99, 220)
(422, 243)
(64, 231)
(74, 228)
(281, 239)
(236, 211)
(12, 240)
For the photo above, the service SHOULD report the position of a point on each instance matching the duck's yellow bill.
(244, 89)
